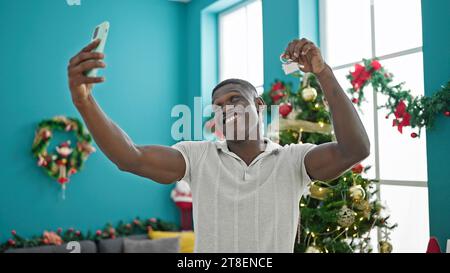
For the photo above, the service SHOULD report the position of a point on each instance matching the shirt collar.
(270, 147)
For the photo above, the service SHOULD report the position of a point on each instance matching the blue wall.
(281, 26)
(436, 54)
(309, 20)
(283, 23)
(144, 80)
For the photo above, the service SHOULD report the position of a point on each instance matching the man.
(245, 191)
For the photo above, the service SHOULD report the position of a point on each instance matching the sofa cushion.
(85, 247)
(37, 249)
(167, 245)
(116, 245)
(187, 238)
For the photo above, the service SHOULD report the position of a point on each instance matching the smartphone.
(100, 32)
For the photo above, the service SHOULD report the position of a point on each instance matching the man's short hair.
(247, 86)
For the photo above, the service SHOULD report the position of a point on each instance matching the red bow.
(278, 86)
(360, 76)
(375, 65)
(402, 117)
(277, 91)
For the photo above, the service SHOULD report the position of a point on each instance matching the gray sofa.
(101, 246)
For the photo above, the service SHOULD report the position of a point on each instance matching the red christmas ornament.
(71, 229)
(98, 232)
(136, 222)
(77, 233)
(414, 135)
(285, 109)
(358, 168)
(11, 242)
(447, 113)
(13, 232)
(355, 100)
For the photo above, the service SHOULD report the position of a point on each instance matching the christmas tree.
(337, 216)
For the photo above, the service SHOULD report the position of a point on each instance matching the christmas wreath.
(68, 159)
(417, 112)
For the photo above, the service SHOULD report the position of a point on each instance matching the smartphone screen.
(95, 33)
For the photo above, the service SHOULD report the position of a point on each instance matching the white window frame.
(323, 43)
(260, 87)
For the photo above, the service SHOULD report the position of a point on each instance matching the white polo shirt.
(240, 208)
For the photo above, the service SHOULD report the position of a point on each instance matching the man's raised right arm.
(159, 163)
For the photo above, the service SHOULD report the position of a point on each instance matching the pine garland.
(60, 236)
(418, 112)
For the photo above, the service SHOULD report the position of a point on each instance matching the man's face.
(235, 112)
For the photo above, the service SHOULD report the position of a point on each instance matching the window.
(241, 44)
(390, 30)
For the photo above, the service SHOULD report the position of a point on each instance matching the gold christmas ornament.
(385, 247)
(357, 193)
(309, 94)
(313, 249)
(346, 216)
(364, 207)
(361, 205)
(318, 192)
